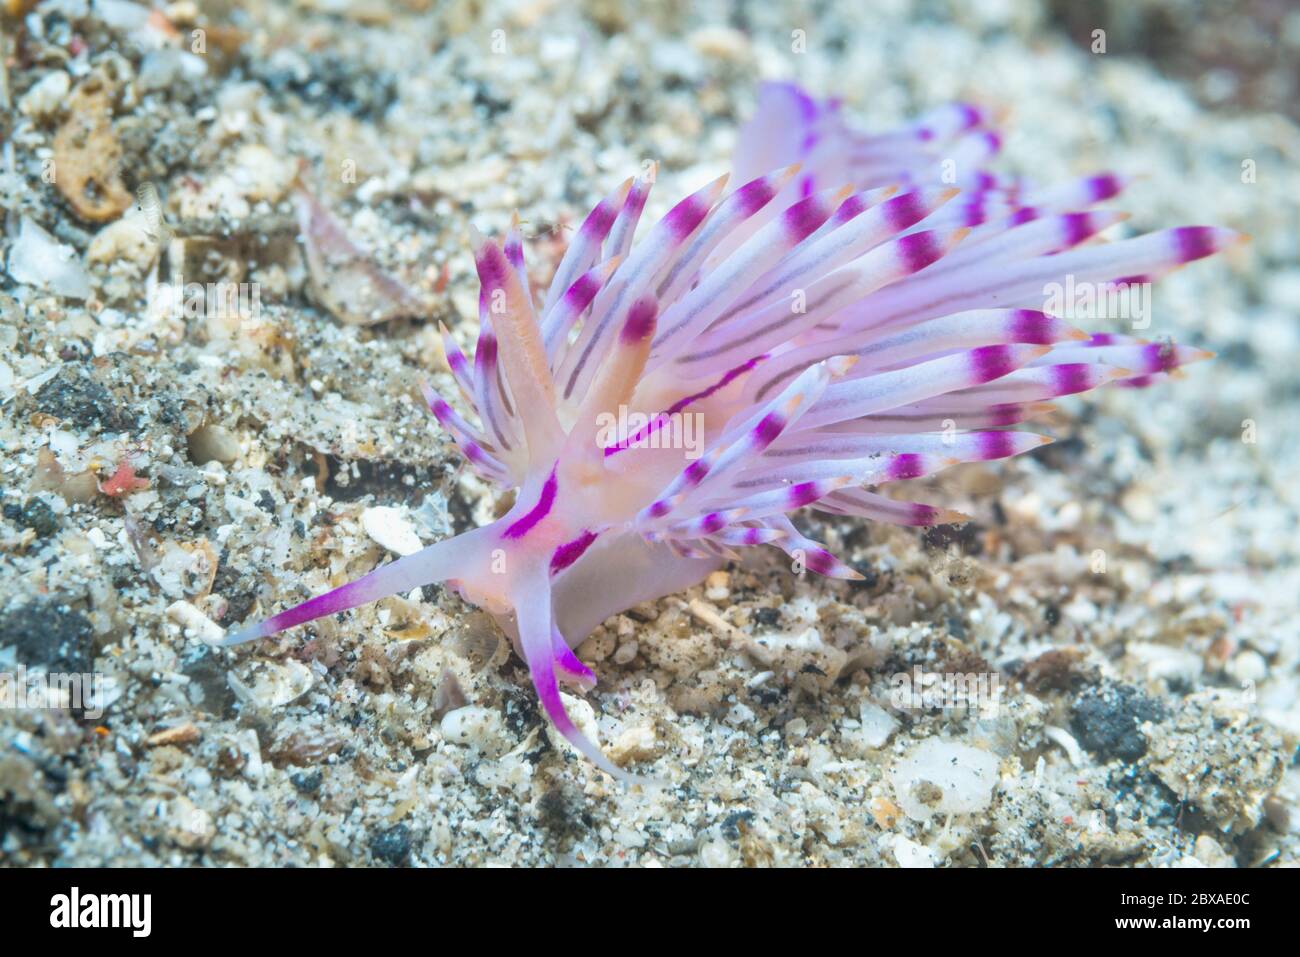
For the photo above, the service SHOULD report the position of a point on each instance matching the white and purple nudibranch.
(863, 308)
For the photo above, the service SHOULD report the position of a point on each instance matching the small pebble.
(944, 777)
(389, 527)
(474, 727)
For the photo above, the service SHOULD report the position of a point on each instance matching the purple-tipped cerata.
(860, 309)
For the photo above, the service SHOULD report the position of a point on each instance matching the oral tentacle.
(614, 384)
(438, 562)
(522, 353)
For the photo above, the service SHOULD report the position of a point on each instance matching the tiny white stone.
(963, 776)
(47, 97)
(474, 727)
(389, 528)
(908, 853)
(195, 622)
(718, 854)
(269, 685)
(1170, 664)
(190, 826)
(583, 715)
(878, 725)
(1068, 744)
(1249, 667)
(38, 259)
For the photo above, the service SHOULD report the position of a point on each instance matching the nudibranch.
(860, 309)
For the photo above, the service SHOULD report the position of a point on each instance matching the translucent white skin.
(828, 325)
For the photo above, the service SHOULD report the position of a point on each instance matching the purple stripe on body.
(662, 419)
(639, 436)
(548, 693)
(807, 105)
(571, 551)
(474, 452)
(326, 604)
(1137, 381)
(538, 512)
(636, 200)
(722, 383)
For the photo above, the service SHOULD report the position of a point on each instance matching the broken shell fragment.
(344, 279)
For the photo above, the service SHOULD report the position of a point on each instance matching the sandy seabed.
(1130, 592)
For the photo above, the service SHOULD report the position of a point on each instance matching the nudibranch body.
(861, 309)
